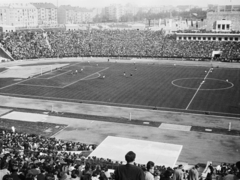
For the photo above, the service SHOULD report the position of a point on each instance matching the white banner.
(216, 52)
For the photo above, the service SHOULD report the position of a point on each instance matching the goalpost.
(46, 69)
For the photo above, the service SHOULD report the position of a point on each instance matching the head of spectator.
(150, 166)
(238, 165)
(157, 174)
(130, 157)
(167, 174)
(180, 166)
(7, 177)
(74, 174)
(238, 169)
(196, 167)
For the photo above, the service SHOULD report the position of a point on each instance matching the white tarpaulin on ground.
(161, 153)
(216, 52)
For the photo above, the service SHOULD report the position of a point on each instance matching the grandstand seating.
(112, 43)
(32, 155)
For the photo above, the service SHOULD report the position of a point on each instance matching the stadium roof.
(208, 34)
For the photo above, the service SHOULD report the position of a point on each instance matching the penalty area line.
(85, 77)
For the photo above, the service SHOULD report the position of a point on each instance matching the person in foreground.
(235, 175)
(150, 171)
(129, 171)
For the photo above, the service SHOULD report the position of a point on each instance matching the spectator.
(234, 174)
(167, 175)
(14, 172)
(129, 171)
(87, 173)
(150, 171)
(178, 173)
(193, 173)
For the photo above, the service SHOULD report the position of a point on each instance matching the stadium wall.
(234, 17)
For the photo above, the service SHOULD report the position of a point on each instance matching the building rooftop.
(68, 7)
(20, 5)
(44, 5)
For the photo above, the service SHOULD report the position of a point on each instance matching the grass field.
(177, 88)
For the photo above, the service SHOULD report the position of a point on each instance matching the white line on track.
(198, 89)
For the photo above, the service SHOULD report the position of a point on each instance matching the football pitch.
(156, 86)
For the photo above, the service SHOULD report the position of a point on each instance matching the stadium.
(90, 96)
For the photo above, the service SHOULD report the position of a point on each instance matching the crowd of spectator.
(107, 43)
(32, 157)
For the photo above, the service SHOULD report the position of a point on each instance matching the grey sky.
(102, 3)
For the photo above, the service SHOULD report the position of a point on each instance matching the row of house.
(42, 14)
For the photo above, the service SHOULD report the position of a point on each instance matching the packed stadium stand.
(30, 157)
(115, 43)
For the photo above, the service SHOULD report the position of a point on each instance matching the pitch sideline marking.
(60, 87)
(197, 90)
(39, 85)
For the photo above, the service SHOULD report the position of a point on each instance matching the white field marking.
(93, 77)
(15, 83)
(3, 71)
(60, 87)
(40, 85)
(181, 111)
(197, 90)
(56, 70)
(59, 74)
(60, 130)
(173, 83)
(85, 77)
(39, 78)
(26, 80)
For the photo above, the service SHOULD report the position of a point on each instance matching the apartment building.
(114, 12)
(131, 9)
(19, 15)
(4, 11)
(74, 15)
(84, 16)
(47, 14)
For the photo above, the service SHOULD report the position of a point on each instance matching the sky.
(149, 3)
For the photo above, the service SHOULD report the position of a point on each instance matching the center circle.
(209, 84)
